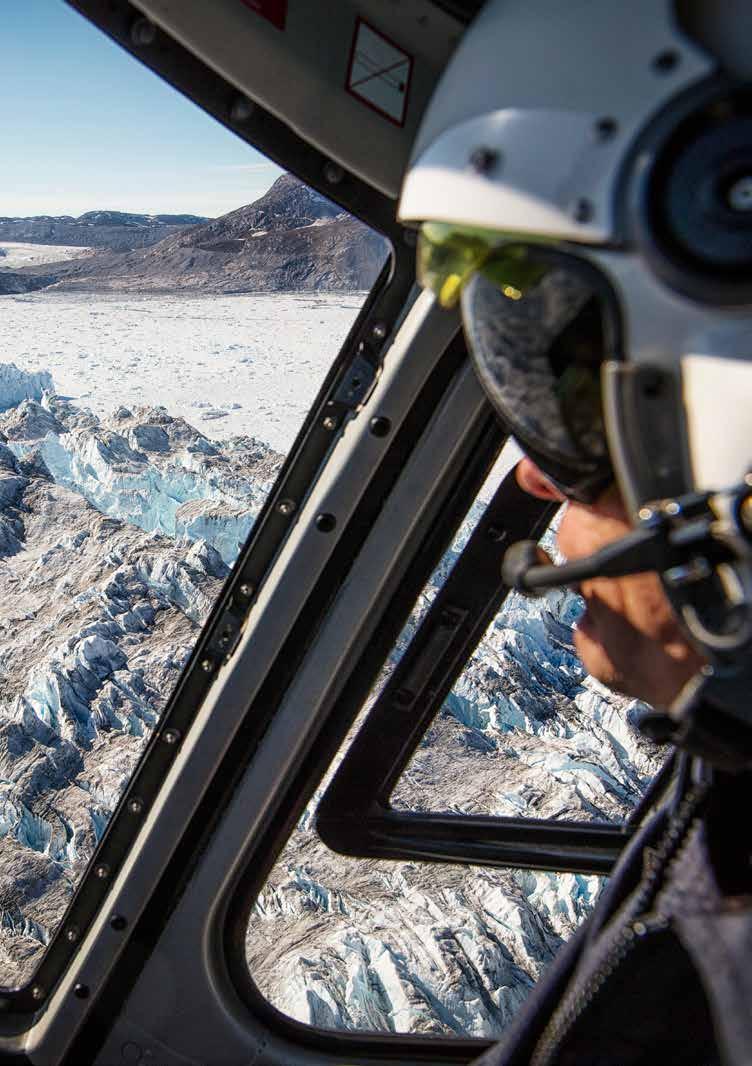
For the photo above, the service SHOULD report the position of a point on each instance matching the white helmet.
(583, 181)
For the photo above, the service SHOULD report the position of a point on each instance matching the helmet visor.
(537, 327)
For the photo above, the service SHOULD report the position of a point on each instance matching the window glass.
(426, 948)
(167, 323)
(525, 732)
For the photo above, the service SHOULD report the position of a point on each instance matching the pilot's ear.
(533, 481)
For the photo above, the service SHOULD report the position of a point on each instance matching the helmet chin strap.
(700, 544)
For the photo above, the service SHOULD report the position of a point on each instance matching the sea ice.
(190, 351)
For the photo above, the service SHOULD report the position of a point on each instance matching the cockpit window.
(424, 948)
(162, 344)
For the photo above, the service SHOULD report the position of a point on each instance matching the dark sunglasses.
(538, 327)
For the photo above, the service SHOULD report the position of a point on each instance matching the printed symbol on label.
(379, 72)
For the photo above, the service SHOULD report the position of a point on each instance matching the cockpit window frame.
(355, 816)
(337, 398)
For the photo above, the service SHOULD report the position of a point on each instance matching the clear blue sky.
(85, 127)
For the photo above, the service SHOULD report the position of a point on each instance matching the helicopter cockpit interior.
(366, 673)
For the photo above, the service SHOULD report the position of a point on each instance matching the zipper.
(641, 925)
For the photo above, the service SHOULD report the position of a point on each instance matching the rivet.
(640, 928)
(583, 211)
(325, 523)
(329, 423)
(37, 992)
(673, 508)
(645, 514)
(241, 109)
(118, 922)
(246, 589)
(224, 640)
(286, 507)
(171, 736)
(333, 173)
(102, 871)
(379, 331)
(483, 159)
(135, 805)
(143, 32)
(665, 62)
(72, 934)
(81, 991)
(380, 426)
(207, 666)
(739, 196)
(606, 128)
(707, 670)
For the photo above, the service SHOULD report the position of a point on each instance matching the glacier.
(17, 385)
(149, 469)
(117, 532)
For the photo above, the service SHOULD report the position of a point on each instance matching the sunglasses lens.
(538, 356)
(447, 257)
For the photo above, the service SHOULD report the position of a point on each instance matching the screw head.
(171, 736)
(333, 173)
(640, 928)
(102, 871)
(606, 128)
(37, 992)
(81, 991)
(484, 159)
(286, 507)
(380, 426)
(583, 211)
(666, 61)
(241, 109)
(143, 32)
(645, 514)
(207, 666)
(329, 423)
(135, 805)
(118, 922)
(672, 508)
(72, 934)
(325, 523)
(379, 331)
(246, 589)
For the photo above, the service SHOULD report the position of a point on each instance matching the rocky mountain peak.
(289, 204)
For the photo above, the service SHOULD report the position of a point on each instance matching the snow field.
(229, 365)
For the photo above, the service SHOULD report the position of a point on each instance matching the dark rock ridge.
(290, 240)
(116, 230)
(12, 282)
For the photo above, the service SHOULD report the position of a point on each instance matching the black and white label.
(379, 72)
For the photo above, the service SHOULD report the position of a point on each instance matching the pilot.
(590, 217)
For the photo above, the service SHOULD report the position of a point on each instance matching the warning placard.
(273, 10)
(379, 72)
